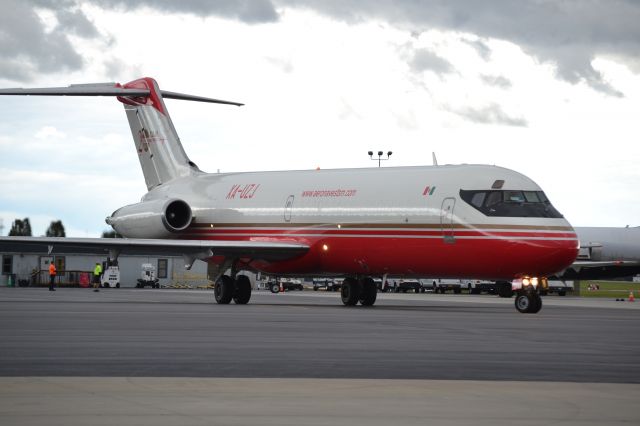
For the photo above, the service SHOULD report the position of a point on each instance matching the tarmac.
(143, 356)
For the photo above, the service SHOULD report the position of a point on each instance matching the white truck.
(148, 277)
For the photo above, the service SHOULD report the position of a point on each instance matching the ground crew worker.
(97, 271)
(52, 276)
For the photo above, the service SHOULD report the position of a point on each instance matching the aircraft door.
(446, 219)
(288, 206)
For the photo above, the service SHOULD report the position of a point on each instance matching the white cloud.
(321, 92)
(49, 132)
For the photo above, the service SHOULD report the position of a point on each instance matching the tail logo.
(147, 137)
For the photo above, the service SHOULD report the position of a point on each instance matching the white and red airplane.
(459, 221)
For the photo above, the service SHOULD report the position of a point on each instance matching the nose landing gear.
(528, 302)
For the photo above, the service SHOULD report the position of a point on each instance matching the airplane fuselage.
(407, 221)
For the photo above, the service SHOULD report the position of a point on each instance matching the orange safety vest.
(52, 269)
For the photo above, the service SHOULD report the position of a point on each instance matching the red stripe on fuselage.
(482, 254)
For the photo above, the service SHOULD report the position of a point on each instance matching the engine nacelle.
(151, 219)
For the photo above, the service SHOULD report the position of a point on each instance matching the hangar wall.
(21, 267)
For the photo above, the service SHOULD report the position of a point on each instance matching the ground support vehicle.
(111, 277)
(285, 284)
(329, 284)
(501, 288)
(439, 285)
(148, 277)
(559, 287)
(406, 285)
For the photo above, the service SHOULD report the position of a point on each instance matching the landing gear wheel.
(223, 290)
(350, 291)
(528, 302)
(242, 292)
(369, 291)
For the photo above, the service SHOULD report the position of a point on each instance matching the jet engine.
(151, 219)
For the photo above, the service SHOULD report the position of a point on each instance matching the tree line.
(22, 228)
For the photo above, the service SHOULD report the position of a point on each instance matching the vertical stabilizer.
(160, 152)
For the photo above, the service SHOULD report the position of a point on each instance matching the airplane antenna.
(435, 160)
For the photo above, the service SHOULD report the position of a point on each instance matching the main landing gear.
(226, 288)
(361, 290)
(528, 301)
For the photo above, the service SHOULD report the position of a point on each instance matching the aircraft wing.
(194, 249)
(593, 264)
(594, 270)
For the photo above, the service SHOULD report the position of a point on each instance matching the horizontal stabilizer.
(107, 89)
(174, 95)
(77, 90)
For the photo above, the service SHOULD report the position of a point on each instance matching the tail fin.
(161, 155)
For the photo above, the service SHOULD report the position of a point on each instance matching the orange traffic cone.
(631, 297)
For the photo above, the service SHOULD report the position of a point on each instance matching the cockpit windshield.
(510, 203)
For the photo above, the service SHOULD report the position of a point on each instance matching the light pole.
(380, 159)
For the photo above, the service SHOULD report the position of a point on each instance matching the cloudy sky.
(547, 88)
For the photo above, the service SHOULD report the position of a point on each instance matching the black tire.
(528, 302)
(223, 290)
(562, 293)
(275, 288)
(315, 288)
(242, 291)
(105, 285)
(505, 290)
(117, 285)
(350, 291)
(369, 291)
(538, 303)
(457, 290)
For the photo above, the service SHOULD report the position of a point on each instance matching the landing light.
(325, 247)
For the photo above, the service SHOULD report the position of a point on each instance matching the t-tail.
(160, 152)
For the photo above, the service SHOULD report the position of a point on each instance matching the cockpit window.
(511, 203)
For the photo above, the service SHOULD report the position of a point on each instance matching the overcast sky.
(548, 88)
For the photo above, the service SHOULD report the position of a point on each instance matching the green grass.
(610, 289)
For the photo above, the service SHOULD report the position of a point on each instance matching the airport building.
(75, 269)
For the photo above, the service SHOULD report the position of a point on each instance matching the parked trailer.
(442, 285)
(501, 288)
